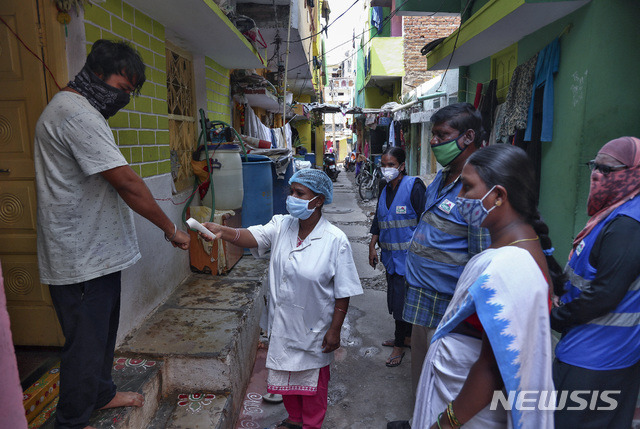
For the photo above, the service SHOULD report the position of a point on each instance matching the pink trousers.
(309, 410)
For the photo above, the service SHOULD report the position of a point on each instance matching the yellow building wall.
(304, 131)
(342, 150)
(319, 145)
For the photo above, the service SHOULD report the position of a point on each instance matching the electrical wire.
(32, 53)
(327, 26)
(385, 21)
(455, 45)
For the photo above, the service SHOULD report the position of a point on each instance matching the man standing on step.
(442, 242)
(86, 233)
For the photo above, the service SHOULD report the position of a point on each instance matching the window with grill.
(182, 115)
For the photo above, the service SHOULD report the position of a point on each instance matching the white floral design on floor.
(195, 402)
(251, 406)
(121, 363)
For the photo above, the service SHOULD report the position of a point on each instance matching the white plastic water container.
(226, 176)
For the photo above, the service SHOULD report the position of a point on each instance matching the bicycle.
(369, 187)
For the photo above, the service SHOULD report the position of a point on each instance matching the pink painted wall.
(396, 22)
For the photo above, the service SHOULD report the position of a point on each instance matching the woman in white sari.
(494, 340)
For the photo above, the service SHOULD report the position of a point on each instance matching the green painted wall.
(373, 98)
(360, 77)
(387, 56)
(596, 100)
(141, 129)
(386, 29)
(218, 91)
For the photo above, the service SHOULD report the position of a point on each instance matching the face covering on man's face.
(104, 97)
(472, 210)
(446, 152)
(299, 208)
(390, 173)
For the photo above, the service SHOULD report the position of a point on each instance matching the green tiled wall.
(141, 129)
(218, 91)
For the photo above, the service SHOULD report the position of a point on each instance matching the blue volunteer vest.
(611, 341)
(397, 224)
(439, 248)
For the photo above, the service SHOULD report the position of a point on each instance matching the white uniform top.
(304, 283)
(85, 230)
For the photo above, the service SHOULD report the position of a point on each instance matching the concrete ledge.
(206, 333)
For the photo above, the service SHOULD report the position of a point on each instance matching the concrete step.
(206, 334)
(129, 374)
(194, 411)
(192, 358)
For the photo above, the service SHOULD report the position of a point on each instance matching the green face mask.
(446, 152)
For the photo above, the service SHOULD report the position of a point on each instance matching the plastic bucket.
(257, 204)
(281, 189)
(226, 176)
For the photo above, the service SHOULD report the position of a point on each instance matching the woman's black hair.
(510, 167)
(398, 153)
(461, 117)
(109, 57)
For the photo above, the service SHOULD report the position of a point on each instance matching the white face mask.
(390, 173)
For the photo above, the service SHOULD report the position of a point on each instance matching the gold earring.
(498, 202)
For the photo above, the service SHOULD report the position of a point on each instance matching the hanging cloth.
(488, 105)
(392, 137)
(476, 102)
(376, 17)
(546, 67)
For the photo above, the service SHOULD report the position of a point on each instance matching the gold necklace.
(524, 239)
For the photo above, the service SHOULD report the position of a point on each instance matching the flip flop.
(288, 425)
(272, 398)
(391, 359)
(391, 343)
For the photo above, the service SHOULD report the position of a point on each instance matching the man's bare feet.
(125, 399)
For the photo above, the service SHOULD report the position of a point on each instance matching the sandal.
(288, 425)
(390, 363)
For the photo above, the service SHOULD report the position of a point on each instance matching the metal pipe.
(421, 98)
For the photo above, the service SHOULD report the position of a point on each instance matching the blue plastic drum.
(257, 204)
(311, 157)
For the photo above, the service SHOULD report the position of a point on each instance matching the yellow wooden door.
(23, 96)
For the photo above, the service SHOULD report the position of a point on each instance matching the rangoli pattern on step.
(195, 402)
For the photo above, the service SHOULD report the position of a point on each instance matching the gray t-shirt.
(85, 230)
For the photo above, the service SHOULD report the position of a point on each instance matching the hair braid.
(555, 270)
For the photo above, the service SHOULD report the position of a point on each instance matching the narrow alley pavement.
(363, 392)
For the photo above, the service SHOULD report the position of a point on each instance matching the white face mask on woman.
(390, 173)
(299, 208)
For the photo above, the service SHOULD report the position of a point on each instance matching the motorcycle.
(350, 163)
(329, 166)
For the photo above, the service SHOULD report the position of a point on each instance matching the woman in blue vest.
(600, 317)
(399, 207)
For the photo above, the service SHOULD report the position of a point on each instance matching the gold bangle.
(452, 416)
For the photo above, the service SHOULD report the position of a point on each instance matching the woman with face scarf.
(311, 278)
(599, 316)
(399, 207)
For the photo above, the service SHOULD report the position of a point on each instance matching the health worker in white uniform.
(311, 278)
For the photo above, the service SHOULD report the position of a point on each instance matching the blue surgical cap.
(316, 180)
